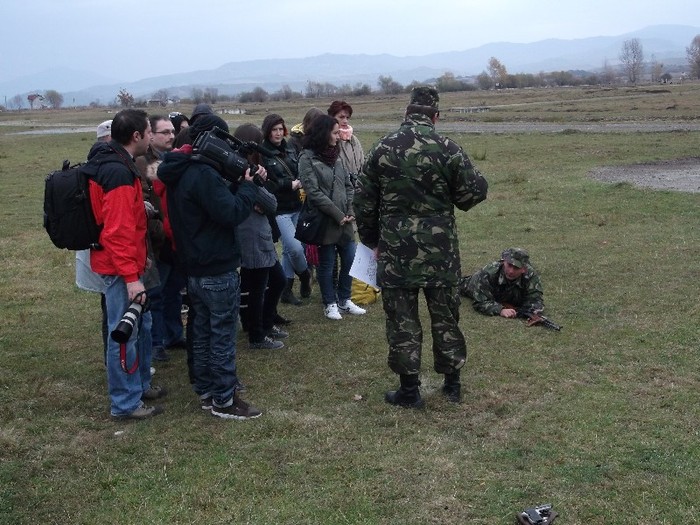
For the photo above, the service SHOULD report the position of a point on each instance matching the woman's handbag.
(312, 222)
(311, 225)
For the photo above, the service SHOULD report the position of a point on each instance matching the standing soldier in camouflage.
(410, 183)
(504, 285)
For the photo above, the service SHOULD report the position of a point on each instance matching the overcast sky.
(134, 39)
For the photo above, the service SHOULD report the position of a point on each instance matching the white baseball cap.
(104, 129)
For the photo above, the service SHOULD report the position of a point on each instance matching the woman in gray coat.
(262, 276)
(328, 188)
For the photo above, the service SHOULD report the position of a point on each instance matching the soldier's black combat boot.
(305, 283)
(408, 394)
(288, 296)
(452, 390)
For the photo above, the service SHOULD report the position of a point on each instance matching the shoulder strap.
(313, 163)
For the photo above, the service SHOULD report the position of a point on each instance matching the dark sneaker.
(206, 402)
(267, 344)
(277, 333)
(142, 412)
(238, 409)
(159, 354)
(154, 392)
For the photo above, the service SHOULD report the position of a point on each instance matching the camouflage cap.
(518, 257)
(425, 96)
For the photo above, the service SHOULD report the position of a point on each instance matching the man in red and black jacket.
(121, 260)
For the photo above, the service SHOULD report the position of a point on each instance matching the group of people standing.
(197, 229)
(171, 222)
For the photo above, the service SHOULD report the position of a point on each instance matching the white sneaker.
(332, 312)
(351, 308)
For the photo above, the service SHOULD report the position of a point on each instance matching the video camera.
(226, 154)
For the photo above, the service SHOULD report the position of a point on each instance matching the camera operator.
(204, 212)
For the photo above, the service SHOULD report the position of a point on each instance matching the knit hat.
(104, 129)
(425, 96)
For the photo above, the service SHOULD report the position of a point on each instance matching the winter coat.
(330, 190)
(282, 170)
(255, 234)
(117, 202)
(204, 214)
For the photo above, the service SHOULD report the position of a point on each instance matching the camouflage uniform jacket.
(410, 183)
(489, 289)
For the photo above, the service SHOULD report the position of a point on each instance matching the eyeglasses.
(166, 132)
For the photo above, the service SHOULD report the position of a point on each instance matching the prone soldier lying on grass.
(502, 287)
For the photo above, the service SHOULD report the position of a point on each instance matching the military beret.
(425, 96)
(518, 257)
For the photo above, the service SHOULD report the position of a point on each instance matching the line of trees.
(495, 76)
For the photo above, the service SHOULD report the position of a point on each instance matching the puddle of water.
(56, 131)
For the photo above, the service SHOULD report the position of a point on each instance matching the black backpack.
(68, 216)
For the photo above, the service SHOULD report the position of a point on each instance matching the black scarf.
(329, 155)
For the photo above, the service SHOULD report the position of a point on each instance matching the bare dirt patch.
(675, 175)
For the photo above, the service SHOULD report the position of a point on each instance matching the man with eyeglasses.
(166, 301)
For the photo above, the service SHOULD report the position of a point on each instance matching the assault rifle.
(534, 318)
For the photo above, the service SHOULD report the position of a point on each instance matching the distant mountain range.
(666, 43)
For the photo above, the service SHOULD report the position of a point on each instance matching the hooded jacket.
(117, 202)
(204, 214)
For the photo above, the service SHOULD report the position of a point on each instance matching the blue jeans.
(125, 390)
(324, 275)
(293, 254)
(215, 301)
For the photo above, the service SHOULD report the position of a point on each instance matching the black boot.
(452, 390)
(305, 283)
(408, 394)
(288, 296)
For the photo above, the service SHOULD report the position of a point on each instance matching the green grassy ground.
(601, 419)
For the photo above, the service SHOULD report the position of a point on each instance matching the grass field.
(600, 419)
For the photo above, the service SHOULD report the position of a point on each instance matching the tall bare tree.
(15, 102)
(656, 69)
(693, 54)
(497, 72)
(54, 98)
(388, 85)
(125, 98)
(161, 95)
(632, 58)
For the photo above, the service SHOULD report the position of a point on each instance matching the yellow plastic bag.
(363, 293)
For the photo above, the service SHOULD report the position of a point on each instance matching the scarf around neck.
(329, 155)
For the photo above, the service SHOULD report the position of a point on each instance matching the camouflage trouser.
(405, 333)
